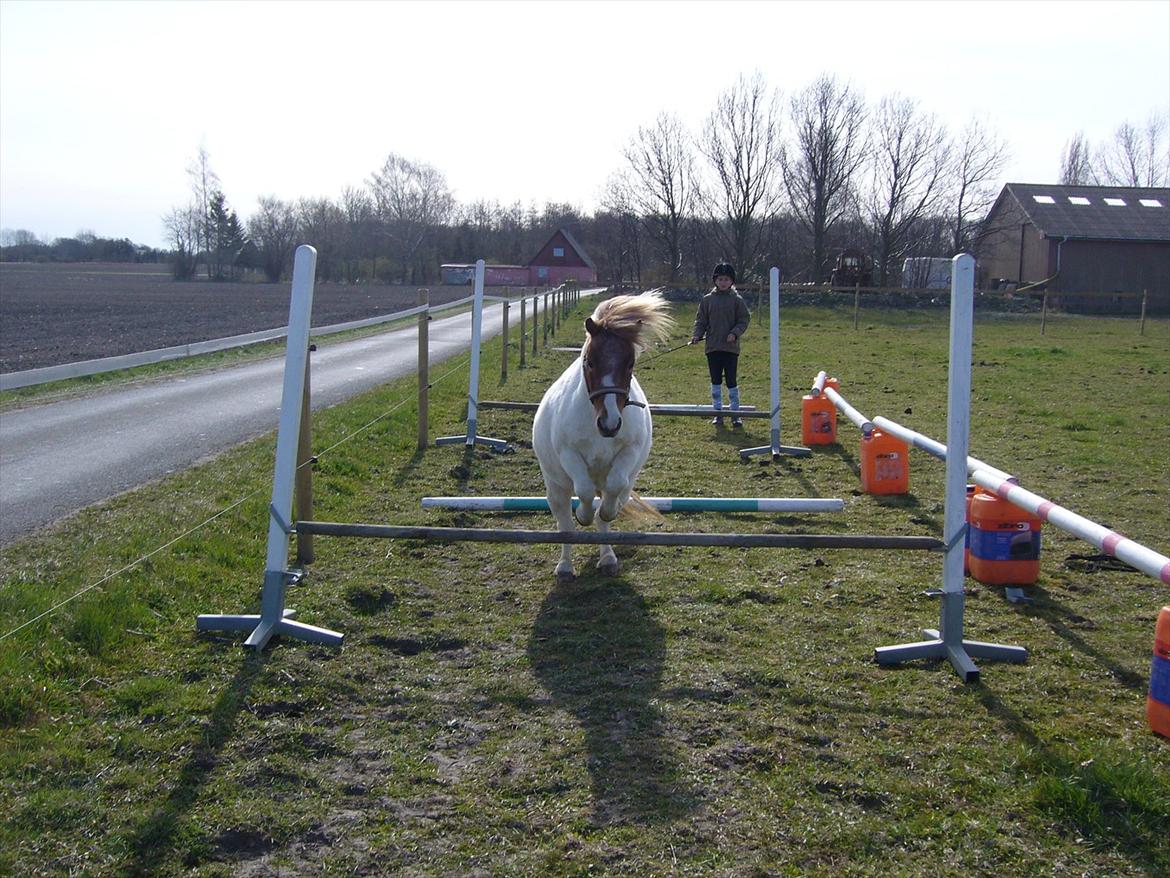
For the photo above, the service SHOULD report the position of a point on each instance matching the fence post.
(546, 320)
(1142, 327)
(424, 298)
(1043, 312)
(523, 300)
(504, 358)
(535, 324)
(856, 303)
(304, 475)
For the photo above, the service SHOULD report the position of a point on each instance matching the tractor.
(853, 269)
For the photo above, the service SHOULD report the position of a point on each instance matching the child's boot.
(733, 397)
(717, 403)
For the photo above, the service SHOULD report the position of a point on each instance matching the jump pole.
(471, 439)
(620, 538)
(274, 618)
(947, 640)
(775, 448)
(662, 504)
(667, 409)
(1133, 553)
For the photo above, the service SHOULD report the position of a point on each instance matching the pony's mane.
(640, 319)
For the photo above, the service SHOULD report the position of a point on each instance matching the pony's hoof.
(609, 568)
(564, 577)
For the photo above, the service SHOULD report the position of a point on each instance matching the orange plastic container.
(885, 464)
(1005, 541)
(818, 420)
(1158, 702)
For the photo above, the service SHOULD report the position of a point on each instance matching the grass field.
(707, 712)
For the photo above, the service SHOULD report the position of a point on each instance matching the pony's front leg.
(607, 562)
(560, 501)
(583, 486)
(614, 495)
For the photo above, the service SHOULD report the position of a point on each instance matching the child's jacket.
(721, 314)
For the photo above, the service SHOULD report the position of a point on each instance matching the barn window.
(559, 252)
(1150, 202)
(1077, 199)
(1044, 199)
(1115, 202)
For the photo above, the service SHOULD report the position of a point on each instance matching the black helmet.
(724, 268)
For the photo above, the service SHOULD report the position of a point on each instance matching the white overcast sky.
(104, 105)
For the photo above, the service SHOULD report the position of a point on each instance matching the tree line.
(765, 178)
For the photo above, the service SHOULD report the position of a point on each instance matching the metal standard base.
(959, 654)
(263, 631)
(494, 444)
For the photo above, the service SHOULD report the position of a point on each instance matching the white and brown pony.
(592, 431)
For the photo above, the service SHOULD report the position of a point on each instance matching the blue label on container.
(1006, 544)
(1160, 680)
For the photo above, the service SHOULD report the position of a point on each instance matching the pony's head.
(618, 330)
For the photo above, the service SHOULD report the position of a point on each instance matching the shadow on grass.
(598, 650)
(408, 471)
(1060, 618)
(1110, 801)
(151, 844)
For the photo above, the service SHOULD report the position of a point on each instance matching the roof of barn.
(1094, 213)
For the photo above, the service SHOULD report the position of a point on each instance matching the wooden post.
(504, 357)
(523, 300)
(424, 298)
(535, 302)
(1142, 328)
(856, 303)
(546, 320)
(303, 483)
(1044, 312)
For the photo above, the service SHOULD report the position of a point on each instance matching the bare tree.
(184, 227)
(1137, 156)
(273, 230)
(911, 155)
(1076, 162)
(357, 210)
(827, 149)
(742, 143)
(979, 158)
(411, 200)
(204, 184)
(626, 243)
(662, 188)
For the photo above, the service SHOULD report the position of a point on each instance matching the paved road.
(58, 458)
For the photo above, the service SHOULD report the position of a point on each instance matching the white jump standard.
(947, 641)
(775, 448)
(274, 618)
(472, 438)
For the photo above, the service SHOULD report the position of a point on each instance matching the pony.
(592, 431)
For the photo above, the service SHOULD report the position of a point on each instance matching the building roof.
(572, 243)
(1095, 213)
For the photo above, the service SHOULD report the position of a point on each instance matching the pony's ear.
(590, 326)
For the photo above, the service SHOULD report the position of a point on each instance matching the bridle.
(602, 391)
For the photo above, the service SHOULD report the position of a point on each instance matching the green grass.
(707, 712)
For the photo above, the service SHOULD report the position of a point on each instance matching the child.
(723, 318)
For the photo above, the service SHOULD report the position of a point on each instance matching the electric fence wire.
(131, 565)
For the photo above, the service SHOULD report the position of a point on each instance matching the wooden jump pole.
(947, 640)
(662, 504)
(273, 618)
(620, 538)
(665, 409)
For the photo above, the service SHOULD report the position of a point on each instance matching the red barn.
(559, 260)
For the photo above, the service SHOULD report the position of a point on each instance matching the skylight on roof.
(1077, 199)
(1115, 202)
(1044, 199)
(1150, 202)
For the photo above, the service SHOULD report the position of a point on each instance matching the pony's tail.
(638, 511)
